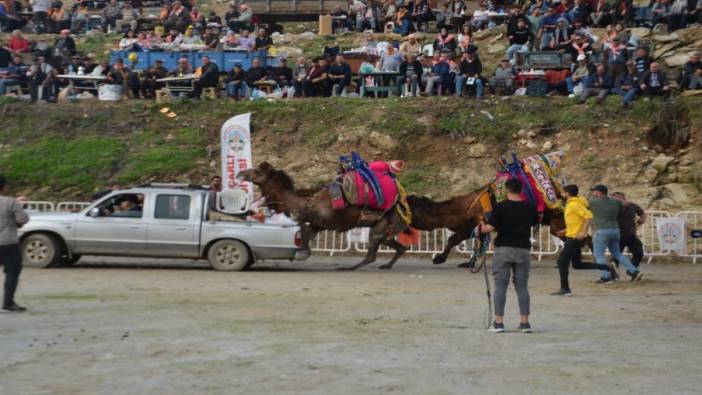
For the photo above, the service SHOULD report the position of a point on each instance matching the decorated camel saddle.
(540, 175)
(373, 186)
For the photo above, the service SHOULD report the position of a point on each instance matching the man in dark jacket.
(149, 85)
(654, 83)
(283, 74)
(410, 73)
(470, 74)
(209, 77)
(597, 84)
(340, 74)
(628, 84)
(255, 73)
(692, 67)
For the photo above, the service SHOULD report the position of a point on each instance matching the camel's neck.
(283, 201)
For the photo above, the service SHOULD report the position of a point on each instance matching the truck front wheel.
(41, 250)
(228, 255)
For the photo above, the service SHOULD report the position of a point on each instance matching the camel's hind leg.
(399, 250)
(378, 234)
(454, 240)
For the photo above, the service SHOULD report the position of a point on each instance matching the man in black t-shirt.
(512, 219)
(627, 228)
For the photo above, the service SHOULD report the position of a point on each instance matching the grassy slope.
(70, 150)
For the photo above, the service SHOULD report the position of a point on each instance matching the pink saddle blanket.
(360, 194)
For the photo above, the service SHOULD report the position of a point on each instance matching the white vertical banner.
(671, 234)
(236, 152)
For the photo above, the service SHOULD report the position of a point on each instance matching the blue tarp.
(224, 59)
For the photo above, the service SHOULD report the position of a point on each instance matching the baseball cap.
(600, 188)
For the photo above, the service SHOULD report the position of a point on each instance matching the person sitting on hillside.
(127, 42)
(236, 83)
(576, 81)
(263, 41)
(562, 36)
(597, 84)
(256, 73)
(422, 13)
(283, 74)
(18, 44)
(466, 40)
(368, 16)
(242, 21)
(300, 71)
(190, 37)
(174, 37)
(439, 74)
(445, 42)
(149, 84)
(179, 17)
(209, 77)
(64, 46)
(42, 75)
(503, 78)
(642, 60)
(246, 41)
(230, 40)
(110, 14)
(411, 46)
(627, 85)
(182, 69)
(690, 78)
(654, 82)
(16, 74)
(481, 17)
(9, 20)
(197, 18)
(519, 41)
(340, 74)
(471, 67)
(578, 47)
(211, 38)
(617, 56)
(410, 74)
(115, 74)
(129, 19)
(317, 80)
(548, 28)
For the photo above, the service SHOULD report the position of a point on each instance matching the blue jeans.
(609, 238)
(516, 48)
(571, 85)
(237, 90)
(628, 95)
(461, 83)
(5, 83)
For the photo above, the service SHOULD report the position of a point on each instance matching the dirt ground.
(138, 327)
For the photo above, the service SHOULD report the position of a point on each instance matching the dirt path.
(307, 329)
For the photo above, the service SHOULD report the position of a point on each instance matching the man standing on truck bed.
(12, 217)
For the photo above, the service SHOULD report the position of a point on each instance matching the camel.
(461, 214)
(314, 213)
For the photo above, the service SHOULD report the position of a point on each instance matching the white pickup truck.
(157, 222)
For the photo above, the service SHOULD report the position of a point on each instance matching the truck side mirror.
(94, 212)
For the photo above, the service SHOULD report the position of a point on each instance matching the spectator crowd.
(616, 62)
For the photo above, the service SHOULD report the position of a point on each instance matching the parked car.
(164, 221)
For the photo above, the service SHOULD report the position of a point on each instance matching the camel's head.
(266, 174)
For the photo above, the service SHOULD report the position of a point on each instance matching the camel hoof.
(386, 266)
(438, 259)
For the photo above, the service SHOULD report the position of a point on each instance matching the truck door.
(117, 228)
(173, 229)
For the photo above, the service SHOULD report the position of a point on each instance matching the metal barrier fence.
(38, 206)
(693, 247)
(433, 242)
(71, 206)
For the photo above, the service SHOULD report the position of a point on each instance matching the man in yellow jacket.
(577, 219)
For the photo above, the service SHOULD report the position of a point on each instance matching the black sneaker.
(15, 308)
(605, 281)
(636, 276)
(498, 328)
(525, 328)
(564, 292)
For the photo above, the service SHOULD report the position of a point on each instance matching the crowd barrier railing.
(434, 242)
(693, 247)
